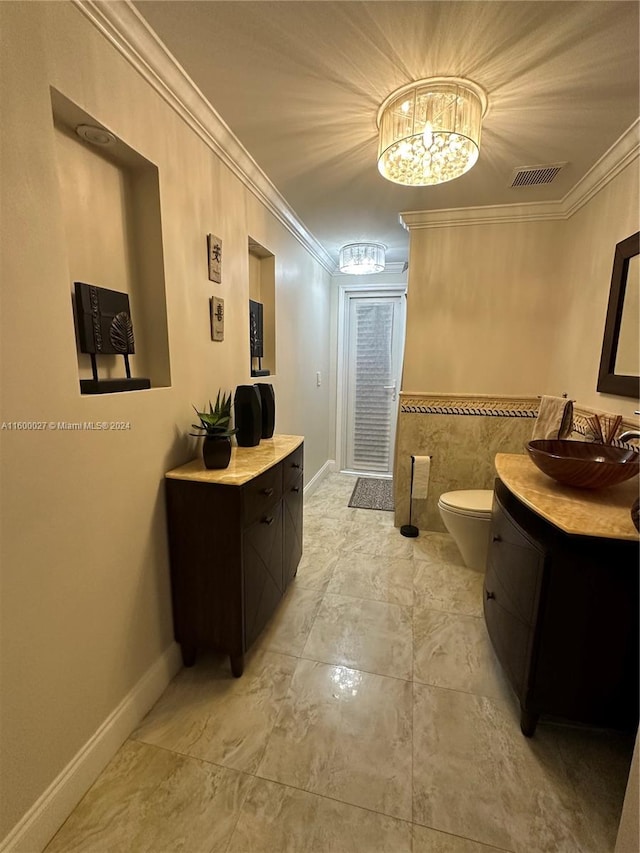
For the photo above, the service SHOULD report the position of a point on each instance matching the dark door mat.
(371, 493)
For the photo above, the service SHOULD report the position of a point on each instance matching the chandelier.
(362, 258)
(430, 131)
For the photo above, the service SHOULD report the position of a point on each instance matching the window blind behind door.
(373, 370)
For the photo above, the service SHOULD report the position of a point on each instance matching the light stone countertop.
(245, 464)
(583, 512)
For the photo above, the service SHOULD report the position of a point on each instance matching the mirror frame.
(608, 380)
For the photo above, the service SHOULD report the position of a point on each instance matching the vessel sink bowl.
(584, 465)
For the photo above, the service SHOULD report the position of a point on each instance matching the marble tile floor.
(372, 717)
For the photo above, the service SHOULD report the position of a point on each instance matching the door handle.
(391, 388)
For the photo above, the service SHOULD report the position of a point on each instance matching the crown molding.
(485, 215)
(624, 151)
(123, 26)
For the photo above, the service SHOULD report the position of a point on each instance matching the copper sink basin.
(584, 465)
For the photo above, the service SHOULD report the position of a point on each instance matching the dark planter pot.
(268, 400)
(216, 451)
(247, 415)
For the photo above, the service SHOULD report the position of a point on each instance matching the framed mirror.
(619, 368)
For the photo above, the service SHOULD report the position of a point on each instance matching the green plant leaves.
(216, 421)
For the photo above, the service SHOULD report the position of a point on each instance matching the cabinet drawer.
(261, 495)
(516, 563)
(292, 467)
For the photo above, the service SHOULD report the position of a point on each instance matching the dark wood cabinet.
(234, 548)
(562, 614)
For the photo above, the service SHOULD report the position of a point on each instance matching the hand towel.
(421, 469)
(555, 418)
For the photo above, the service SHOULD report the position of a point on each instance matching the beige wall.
(589, 241)
(482, 309)
(85, 584)
(518, 308)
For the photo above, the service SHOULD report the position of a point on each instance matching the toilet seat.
(472, 503)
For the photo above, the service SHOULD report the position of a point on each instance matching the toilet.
(467, 516)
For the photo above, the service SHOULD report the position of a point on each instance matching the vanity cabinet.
(562, 614)
(235, 541)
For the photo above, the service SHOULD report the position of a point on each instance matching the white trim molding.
(123, 26)
(51, 809)
(624, 151)
(314, 483)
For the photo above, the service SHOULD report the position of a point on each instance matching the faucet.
(630, 434)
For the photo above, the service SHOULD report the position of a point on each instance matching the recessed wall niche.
(262, 289)
(110, 199)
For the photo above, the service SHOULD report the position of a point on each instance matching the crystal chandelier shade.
(430, 131)
(362, 258)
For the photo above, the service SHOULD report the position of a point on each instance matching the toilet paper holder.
(410, 530)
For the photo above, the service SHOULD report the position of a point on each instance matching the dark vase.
(216, 451)
(268, 400)
(247, 415)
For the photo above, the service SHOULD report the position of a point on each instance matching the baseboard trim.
(315, 481)
(48, 813)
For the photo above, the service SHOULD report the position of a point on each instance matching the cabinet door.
(262, 571)
(292, 529)
(510, 636)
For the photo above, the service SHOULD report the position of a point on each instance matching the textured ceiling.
(299, 83)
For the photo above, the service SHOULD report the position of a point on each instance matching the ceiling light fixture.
(362, 258)
(430, 131)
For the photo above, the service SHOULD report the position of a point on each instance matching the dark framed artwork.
(256, 341)
(256, 338)
(214, 256)
(105, 328)
(619, 369)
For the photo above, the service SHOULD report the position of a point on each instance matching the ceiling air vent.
(533, 176)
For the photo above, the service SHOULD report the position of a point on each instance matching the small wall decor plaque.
(105, 328)
(217, 318)
(214, 251)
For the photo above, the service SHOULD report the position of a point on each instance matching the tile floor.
(372, 717)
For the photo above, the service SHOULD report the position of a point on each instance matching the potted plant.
(214, 426)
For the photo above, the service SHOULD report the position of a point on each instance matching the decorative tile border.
(493, 407)
(582, 427)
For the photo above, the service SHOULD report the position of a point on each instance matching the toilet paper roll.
(421, 469)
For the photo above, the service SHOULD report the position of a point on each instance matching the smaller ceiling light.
(430, 131)
(362, 258)
(95, 135)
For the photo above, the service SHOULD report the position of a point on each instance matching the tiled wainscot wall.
(462, 434)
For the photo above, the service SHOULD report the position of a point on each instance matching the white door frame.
(345, 291)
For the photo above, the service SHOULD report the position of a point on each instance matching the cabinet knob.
(496, 538)
(295, 489)
(295, 464)
(267, 492)
(268, 520)
(489, 594)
